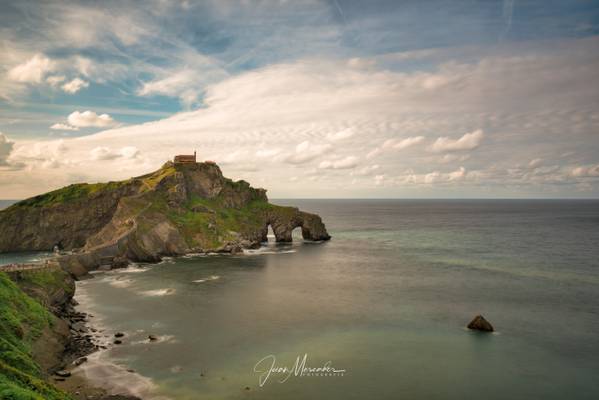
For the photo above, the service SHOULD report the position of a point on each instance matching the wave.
(158, 339)
(266, 250)
(131, 269)
(116, 379)
(210, 278)
(158, 292)
(120, 283)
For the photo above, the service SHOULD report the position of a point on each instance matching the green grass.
(215, 224)
(74, 192)
(22, 320)
(152, 180)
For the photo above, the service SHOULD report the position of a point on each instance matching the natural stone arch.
(283, 224)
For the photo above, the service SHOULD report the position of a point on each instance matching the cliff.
(175, 210)
(26, 327)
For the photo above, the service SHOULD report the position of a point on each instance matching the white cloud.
(469, 141)
(63, 127)
(236, 156)
(367, 170)
(33, 70)
(341, 135)
(75, 85)
(344, 163)
(106, 153)
(394, 144)
(374, 152)
(586, 171)
(130, 152)
(185, 83)
(54, 80)
(448, 158)
(435, 177)
(306, 151)
(535, 163)
(90, 119)
(6, 147)
(267, 153)
(298, 108)
(402, 144)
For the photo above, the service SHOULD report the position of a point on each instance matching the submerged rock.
(62, 374)
(479, 323)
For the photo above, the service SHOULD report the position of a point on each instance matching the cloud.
(535, 162)
(394, 144)
(105, 153)
(54, 80)
(185, 83)
(6, 147)
(402, 144)
(300, 107)
(306, 151)
(469, 141)
(63, 127)
(341, 135)
(367, 170)
(90, 119)
(33, 70)
(344, 163)
(75, 85)
(448, 158)
(373, 153)
(267, 153)
(586, 171)
(431, 178)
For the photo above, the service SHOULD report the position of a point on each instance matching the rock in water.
(479, 323)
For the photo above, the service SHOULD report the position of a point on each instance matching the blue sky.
(308, 98)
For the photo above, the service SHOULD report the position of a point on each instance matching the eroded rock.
(479, 323)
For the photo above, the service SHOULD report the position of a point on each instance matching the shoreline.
(72, 340)
(71, 356)
(84, 344)
(99, 370)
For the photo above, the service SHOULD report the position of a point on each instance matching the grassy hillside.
(77, 191)
(22, 320)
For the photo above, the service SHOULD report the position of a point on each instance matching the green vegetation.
(152, 180)
(42, 283)
(22, 320)
(69, 193)
(208, 223)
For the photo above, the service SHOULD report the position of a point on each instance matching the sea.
(378, 312)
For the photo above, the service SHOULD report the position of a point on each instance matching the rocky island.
(183, 207)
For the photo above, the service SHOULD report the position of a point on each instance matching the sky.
(309, 99)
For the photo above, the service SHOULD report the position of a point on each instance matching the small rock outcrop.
(178, 209)
(479, 323)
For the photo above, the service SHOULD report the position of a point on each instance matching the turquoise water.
(386, 300)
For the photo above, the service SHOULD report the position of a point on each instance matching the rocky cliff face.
(65, 217)
(175, 210)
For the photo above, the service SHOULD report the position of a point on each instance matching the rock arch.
(285, 221)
